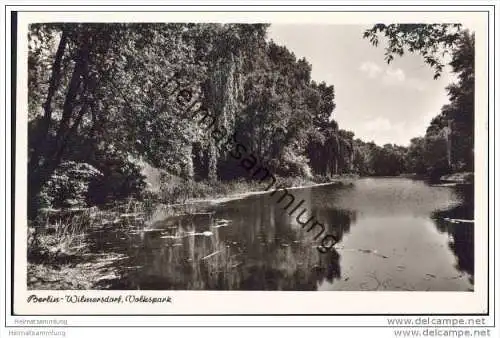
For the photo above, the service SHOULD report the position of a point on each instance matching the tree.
(460, 111)
(83, 45)
(109, 96)
(415, 156)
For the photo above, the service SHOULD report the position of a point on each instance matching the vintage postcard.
(210, 162)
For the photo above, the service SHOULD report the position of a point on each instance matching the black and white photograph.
(251, 166)
(273, 157)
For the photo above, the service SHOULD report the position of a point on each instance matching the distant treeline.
(99, 101)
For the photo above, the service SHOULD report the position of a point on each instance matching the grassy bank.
(59, 251)
(177, 191)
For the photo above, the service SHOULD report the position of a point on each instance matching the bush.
(121, 179)
(69, 185)
(292, 165)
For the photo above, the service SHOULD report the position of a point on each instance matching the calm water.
(394, 233)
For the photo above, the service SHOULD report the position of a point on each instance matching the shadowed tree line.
(105, 97)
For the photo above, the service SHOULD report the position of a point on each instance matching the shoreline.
(458, 178)
(232, 197)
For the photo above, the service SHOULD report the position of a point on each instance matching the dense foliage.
(106, 97)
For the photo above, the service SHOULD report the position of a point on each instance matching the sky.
(378, 102)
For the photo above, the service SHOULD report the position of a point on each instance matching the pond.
(393, 234)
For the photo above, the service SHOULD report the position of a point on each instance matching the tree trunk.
(212, 162)
(41, 142)
(40, 173)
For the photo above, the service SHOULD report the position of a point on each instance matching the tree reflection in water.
(461, 233)
(253, 244)
(250, 244)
